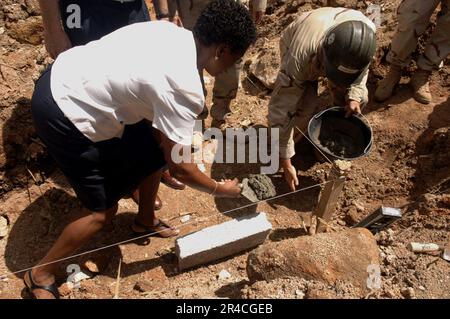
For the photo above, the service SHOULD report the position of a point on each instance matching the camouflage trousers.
(413, 20)
(227, 83)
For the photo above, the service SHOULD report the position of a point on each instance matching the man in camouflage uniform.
(337, 43)
(226, 84)
(413, 20)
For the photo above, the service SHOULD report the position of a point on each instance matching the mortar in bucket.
(339, 137)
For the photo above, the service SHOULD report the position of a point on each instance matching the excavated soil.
(408, 167)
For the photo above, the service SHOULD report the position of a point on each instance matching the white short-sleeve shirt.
(143, 71)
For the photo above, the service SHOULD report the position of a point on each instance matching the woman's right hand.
(228, 188)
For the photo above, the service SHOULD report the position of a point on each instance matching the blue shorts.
(99, 17)
(101, 173)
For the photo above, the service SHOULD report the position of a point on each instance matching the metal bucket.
(339, 137)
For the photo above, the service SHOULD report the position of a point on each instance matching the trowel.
(247, 191)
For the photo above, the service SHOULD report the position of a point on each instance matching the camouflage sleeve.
(282, 109)
(259, 5)
(358, 90)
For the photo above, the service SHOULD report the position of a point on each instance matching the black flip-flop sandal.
(53, 289)
(150, 230)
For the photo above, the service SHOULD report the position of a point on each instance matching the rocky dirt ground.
(408, 167)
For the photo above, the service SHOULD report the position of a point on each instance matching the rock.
(27, 31)
(352, 217)
(14, 12)
(32, 7)
(343, 166)
(341, 222)
(224, 275)
(390, 259)
(185, 218)
(144, 286)
(300, 294)
(91, 266)
(65, 289)
(359, 207)
(3, 226)
(315, 293)
(327, 257)
(97, 263)
(157, 277)
(389, 294)
(408, 293)
(82, 275)
(265, 65)
(385, 238)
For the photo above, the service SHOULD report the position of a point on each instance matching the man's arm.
(358, 94)
(56, 40)
(282, 108)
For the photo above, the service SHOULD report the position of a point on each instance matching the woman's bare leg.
(73, 237)
(146, 215)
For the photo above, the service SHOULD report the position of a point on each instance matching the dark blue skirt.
(99, 17)
(100, 173)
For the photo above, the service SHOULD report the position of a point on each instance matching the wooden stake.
(330, 195)
(117, 290)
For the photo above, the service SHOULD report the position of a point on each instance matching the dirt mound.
(22, 59)
(341, 256)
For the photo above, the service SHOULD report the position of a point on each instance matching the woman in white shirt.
(111, 111)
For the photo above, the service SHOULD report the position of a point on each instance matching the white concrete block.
(221, 240)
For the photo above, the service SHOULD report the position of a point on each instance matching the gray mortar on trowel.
(258, 187)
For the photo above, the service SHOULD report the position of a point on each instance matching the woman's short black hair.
(226, 22)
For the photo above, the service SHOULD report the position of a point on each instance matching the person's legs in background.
(437, 49)
(413, 20)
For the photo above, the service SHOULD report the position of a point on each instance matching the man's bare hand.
(290, 173)
(353, 107)
(56, 42)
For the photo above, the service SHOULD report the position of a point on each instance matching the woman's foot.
(159, 228)
(41, 287)
(158, 202)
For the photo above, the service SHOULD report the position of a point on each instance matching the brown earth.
(408, 166)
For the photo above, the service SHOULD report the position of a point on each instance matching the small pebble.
(201, 167)
(185, 218)
(223, 275)
(408, 293)
(300, 294)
